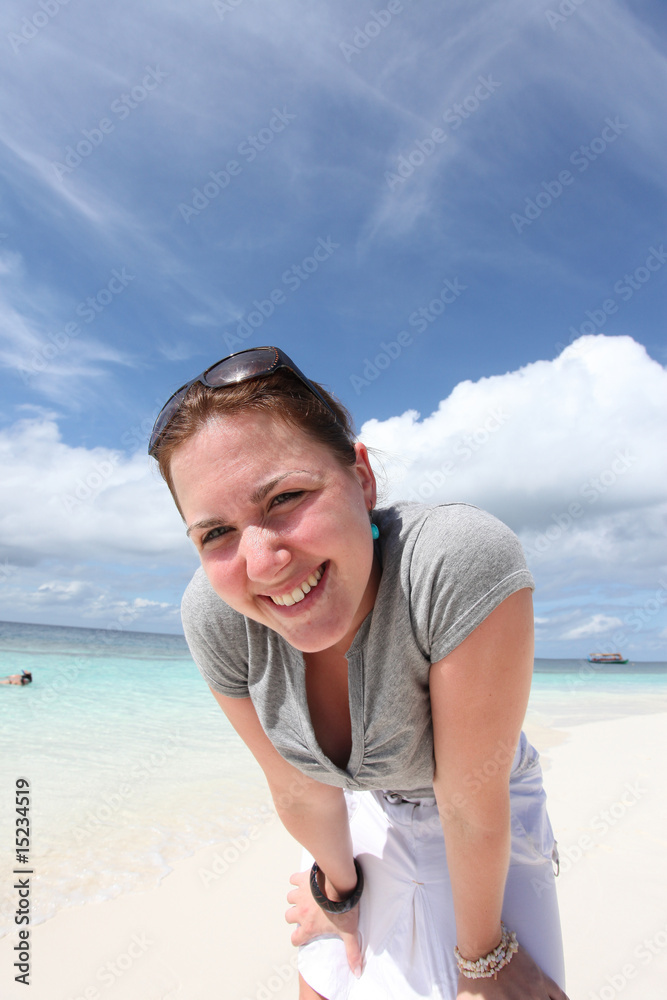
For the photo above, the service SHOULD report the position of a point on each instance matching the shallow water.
(133, 766)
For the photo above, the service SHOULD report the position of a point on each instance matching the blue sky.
(442, 200)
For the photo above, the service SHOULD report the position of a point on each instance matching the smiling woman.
(268, 508)
(377, 663)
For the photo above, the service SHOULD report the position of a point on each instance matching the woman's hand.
(522, 979)
(312, 921)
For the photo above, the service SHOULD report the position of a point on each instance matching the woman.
(387, 653)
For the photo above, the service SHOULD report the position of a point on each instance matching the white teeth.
(300, 592)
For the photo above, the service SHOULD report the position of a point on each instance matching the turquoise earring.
(375, 532)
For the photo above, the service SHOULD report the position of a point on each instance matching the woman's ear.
(364, 473)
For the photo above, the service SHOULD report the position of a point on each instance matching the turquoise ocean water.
(133, 766)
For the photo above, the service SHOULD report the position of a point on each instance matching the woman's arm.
(316, 816)
(479, 695)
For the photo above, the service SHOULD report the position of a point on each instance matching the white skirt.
(406, 916)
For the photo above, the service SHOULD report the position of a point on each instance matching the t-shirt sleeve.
(217, 638)
(465, 562)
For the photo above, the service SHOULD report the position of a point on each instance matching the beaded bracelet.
(329, 905)
(491, 964)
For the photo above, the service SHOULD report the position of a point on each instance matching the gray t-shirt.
(444, 569)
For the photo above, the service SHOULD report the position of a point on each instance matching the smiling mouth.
(298, 593)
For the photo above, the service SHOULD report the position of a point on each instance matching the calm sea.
(133, 766)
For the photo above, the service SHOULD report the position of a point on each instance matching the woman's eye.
(210, 536)
(285, 497)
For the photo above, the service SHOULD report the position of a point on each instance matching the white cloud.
(65, 591)
(90, 536)
(571, 454)
(100, 600)
(597, 625)
(585, 427)
(58, 502)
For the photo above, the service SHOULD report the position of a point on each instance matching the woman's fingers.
(554, 990)
(312, 921)
(296, 896)
(353, 952)
(557, 993)
(298, 936)
(521, 979)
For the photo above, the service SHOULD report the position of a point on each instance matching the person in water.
(25, 677)
(377, 663)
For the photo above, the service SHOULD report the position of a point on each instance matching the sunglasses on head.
(255, 362)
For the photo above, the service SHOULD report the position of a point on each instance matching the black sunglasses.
(255, 362)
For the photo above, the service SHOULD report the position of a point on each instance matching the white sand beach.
(214, 929)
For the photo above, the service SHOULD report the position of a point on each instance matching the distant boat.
(606, 658)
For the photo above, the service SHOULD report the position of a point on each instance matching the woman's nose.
(264, 553)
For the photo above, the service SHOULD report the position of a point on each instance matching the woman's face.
(269, 509)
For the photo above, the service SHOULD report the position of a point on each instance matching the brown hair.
(282, 395)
